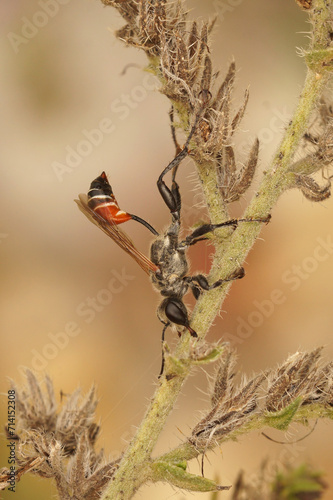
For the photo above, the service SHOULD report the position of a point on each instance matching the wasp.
(167, 266)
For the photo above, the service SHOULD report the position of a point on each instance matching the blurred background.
(73, 305)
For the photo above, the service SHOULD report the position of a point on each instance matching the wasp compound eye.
(176, 313)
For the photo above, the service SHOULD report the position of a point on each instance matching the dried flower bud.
(301, 382)
(305, 4)
(231, 406)
(60, 444)
(298, 376)
(178, 51)
(233, 183)
(311, 190)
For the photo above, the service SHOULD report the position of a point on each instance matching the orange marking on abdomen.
(112, 213)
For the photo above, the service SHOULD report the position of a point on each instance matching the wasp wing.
(114, 232)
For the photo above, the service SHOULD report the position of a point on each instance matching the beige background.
(67, 80)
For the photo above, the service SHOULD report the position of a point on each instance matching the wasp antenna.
(145, 223)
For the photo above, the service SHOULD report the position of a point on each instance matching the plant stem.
(135, 466)
(276, 180)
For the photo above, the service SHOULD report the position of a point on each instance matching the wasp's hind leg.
(171, 196)
(175, 187)
(173, 131)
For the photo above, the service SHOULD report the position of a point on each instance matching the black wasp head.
(99, 186)
(176, 312)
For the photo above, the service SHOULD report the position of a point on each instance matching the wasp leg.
(171, 196)
(195, 290)
(175, 187)
(173, 131)
(176, 193)
(199, 233)
(163, 359)
(201, 280)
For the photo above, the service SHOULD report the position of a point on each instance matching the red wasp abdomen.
(109, 210)
(102, 201)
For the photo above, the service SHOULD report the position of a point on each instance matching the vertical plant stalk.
(276, 181)
(135, 467)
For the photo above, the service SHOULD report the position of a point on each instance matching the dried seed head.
(274, 397)
(6, 475)
(319, 155)
(35, 408)
(299, 376)
(179, 53)
(228, 414)
(324, 152)
(147, 22)
(223, 378)
(60, 444)
(305, 4)
(231, 406)
(311, 190)
(234, 182)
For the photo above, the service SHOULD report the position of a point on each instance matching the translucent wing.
(116, 234)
